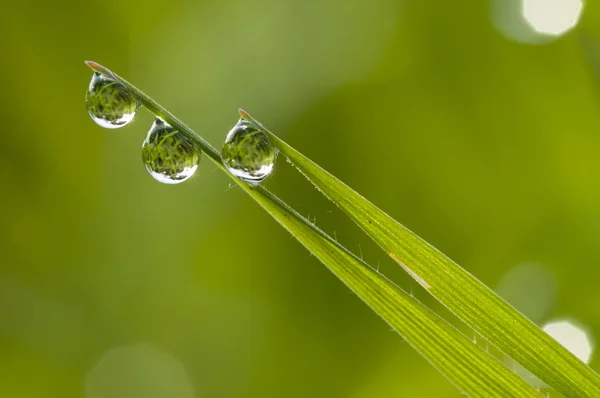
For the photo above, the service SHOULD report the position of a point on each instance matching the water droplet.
(109, 102)
(248, 152)
(169, 156)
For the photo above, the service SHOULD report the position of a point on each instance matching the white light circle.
(572, 337)
(552, 17)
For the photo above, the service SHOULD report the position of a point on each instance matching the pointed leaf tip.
(96, 67)
(243, 114)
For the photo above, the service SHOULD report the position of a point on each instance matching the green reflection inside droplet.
(109, 102)
(169, 156)
(248, 152)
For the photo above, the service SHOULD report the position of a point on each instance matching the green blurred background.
(482, 141)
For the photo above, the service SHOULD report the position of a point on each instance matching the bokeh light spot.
(138, 371)
(531, 288)
(572, 337)
(553, 17)
(535, 21)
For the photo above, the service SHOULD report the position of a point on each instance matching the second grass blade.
(472, 301)
(465, 364)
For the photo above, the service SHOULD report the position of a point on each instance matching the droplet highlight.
(248, 152)
(109, 102)
(169, 156)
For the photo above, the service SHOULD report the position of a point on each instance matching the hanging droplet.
(248, 152)
(109, 102)
(169, 156)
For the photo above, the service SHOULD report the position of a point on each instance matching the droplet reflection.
(169, 156)
(109, 102)
(248, 152)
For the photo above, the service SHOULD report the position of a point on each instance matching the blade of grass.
(466, 365)
(463, 294)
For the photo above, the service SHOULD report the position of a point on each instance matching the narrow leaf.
(463, 294)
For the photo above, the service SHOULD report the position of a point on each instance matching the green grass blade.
(467, 366)
(468, 298)
(464, 363)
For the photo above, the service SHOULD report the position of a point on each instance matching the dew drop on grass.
(169, 156)
(109, 102)
(248, 152)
